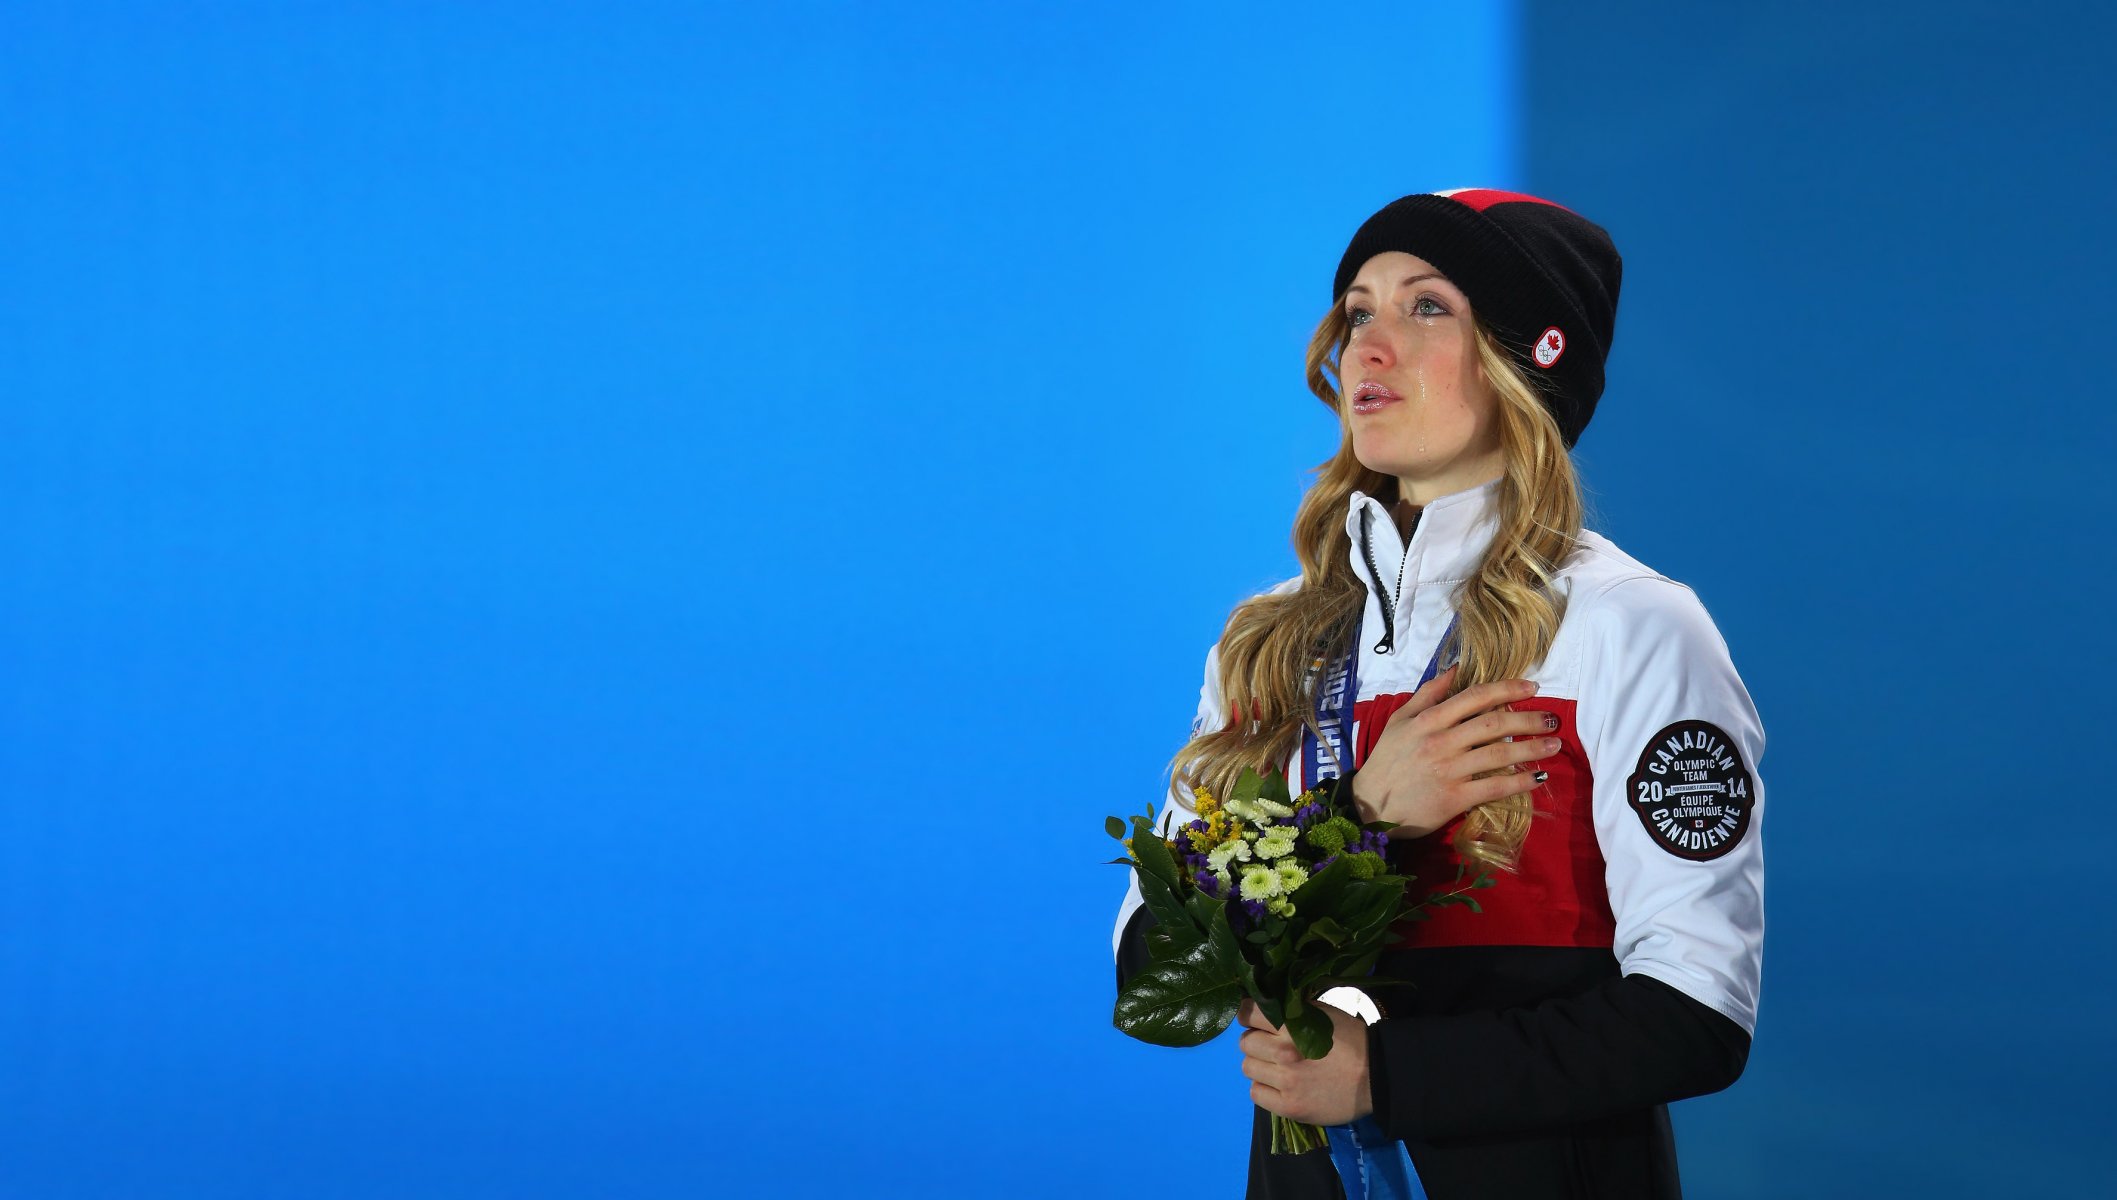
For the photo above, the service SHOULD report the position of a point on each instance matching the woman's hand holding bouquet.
(1265, 902)
(1268, 897)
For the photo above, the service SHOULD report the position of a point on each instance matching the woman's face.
(1431, 420)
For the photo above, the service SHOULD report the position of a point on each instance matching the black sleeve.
(1132, 946)
(1630, 1043)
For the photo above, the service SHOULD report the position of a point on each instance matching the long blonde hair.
(1509, 617)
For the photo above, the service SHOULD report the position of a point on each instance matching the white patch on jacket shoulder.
(1692, 792)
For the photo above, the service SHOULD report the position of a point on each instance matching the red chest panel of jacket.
(1558, 896)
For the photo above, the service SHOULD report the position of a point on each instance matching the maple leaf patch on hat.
(1692, 791)
(1549, 347)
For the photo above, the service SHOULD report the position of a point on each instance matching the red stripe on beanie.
(1484, 198)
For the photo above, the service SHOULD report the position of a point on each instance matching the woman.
(1589, 742)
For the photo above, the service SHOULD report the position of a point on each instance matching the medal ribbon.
(1335, 701)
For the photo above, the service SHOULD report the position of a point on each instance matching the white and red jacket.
(1541, 1039)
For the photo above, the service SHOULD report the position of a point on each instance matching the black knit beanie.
(1541, 275)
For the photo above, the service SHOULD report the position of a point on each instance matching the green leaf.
(1358, 979)
(1246, 785)
(1304, 979)
(1322, 891)
(1360, 966)
(1183, 1001)
(1276, 952)
(1162, 943)
(1152, 852)
(1205, 911)
(1273, 787)
(1325, 930)
(1227, 950)
(1311, 1030)
(1168, 910)
(1366, 907)
(1272, 1007)
(1116, 826)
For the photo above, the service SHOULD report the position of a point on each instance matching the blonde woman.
(1518, 695)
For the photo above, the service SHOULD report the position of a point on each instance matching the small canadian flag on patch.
(1550, 346)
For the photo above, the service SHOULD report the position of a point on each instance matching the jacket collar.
(1446, 544)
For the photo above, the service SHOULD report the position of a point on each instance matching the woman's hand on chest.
(1437, 759)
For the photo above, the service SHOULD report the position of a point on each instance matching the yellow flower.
(1206, 804)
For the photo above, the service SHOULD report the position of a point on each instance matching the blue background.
(575, 584)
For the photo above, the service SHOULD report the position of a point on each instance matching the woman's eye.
(1357, 317)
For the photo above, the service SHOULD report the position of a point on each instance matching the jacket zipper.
(1389, 602)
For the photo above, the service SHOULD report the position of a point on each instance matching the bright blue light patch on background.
(515, 523)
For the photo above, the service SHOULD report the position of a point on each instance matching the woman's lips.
(1371, 401)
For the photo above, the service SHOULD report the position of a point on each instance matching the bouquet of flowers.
(1269, 896)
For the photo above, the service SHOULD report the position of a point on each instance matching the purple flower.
(1209, 884)
(1255, 908)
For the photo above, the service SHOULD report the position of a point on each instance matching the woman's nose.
(1387, 337)
(1377, 345)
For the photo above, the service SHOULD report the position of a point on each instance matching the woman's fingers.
(1503, 756)
(1500, 723)
(1269, 1047)
(1252, 1017)
(1432, 693)
(1498, 787)
(1472, 701)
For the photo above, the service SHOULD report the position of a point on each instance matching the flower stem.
(1296, 1137)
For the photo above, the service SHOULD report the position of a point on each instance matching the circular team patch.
(1691, 791)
